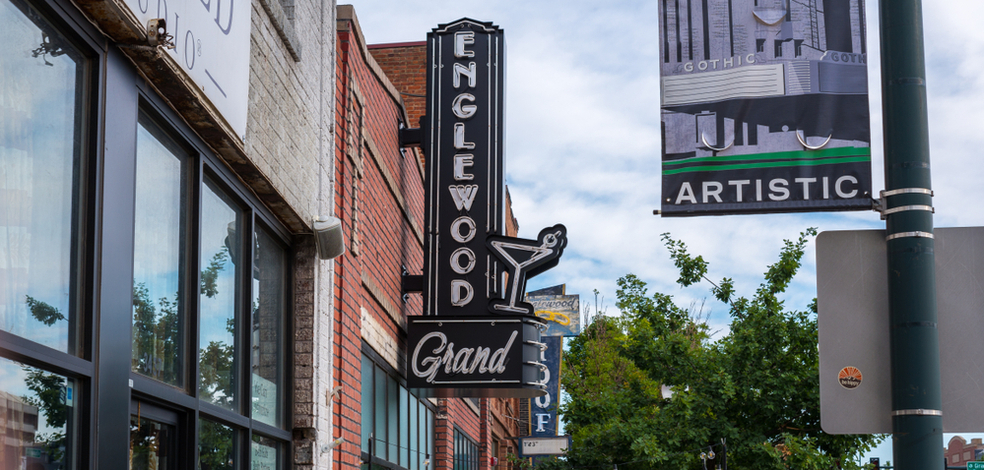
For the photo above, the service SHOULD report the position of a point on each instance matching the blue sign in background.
(543, 410)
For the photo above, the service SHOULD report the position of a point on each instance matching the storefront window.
(216, 446)
(396, 424)
(38, 425)
(223, 304)
(152, 444)
(268, 312)
(265, 454)
(42, 91)
(158, 256)
(221, 258)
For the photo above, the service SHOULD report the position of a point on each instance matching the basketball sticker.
(850, 377)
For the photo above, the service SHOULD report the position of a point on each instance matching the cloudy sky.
(583, 146)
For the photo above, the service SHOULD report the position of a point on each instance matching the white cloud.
(582, 141)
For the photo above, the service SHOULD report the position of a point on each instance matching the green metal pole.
(915, 355)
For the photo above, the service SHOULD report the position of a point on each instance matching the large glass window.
(267, 327)
(221, 256)
(160, 209)
(42, 142)
(396, 425)
(265, 453)
(37, 418)
(216, 446)
(466, 455)
(153, 439)
(210, 308)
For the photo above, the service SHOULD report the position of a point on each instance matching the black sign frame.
(466, 252)
(467, 356)
(463, 135)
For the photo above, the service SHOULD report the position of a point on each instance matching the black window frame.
(465, 454)
(185, 401)
(381, 462)
(78, 365)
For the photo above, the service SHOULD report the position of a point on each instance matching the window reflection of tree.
(216, 359)
(215, 446)
(156, 337)
(49, 390)
(50, 398)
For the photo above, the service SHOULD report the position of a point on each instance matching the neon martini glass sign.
(526, 258)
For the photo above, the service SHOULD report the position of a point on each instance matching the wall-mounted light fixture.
(328, 237)
(331, 445)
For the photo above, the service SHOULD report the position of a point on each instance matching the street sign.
(853, 329)
(976, 465)
(531, 446)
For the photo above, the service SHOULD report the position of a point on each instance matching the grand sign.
(477, 337)
(475, 357)
(764, 107)
(212, 45)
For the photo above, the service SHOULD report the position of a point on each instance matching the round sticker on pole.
(850, 377)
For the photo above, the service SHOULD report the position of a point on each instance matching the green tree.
(754, 390)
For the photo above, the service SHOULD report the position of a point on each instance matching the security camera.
(328, 237)
(157, 33)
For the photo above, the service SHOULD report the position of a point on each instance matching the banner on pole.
(764, 107)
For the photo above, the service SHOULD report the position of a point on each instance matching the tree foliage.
(754, 390)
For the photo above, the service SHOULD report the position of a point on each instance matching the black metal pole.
(915, 355)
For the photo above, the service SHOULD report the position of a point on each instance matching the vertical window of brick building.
(397, 426)
(466, 452)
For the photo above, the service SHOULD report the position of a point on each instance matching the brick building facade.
(379, 196)
(959, 452)
(164, 284)
(184, 318)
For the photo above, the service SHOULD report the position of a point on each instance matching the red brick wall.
(405, 65)
(379, 197)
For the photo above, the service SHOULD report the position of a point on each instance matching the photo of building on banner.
(764, 107)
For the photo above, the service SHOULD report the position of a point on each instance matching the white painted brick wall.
(289, 138)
